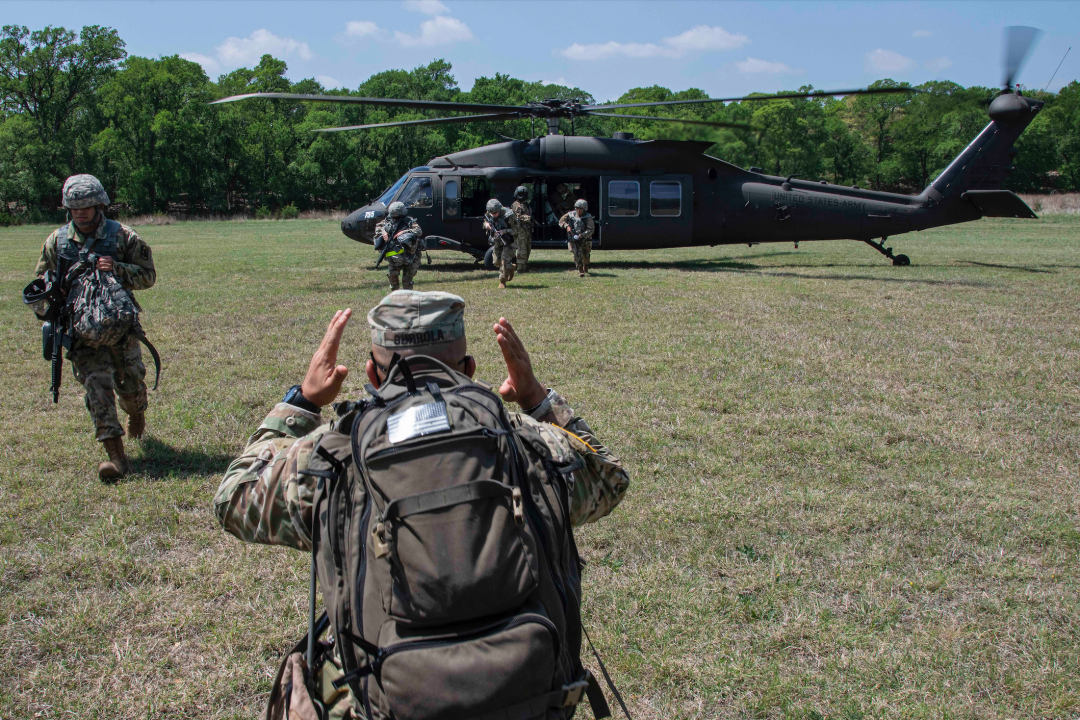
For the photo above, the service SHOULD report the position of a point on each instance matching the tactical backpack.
(102, 311)
(442, 542)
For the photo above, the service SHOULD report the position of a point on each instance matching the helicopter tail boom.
(971, 186)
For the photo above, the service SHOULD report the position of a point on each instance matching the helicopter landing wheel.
(489, 259)
(901, 261)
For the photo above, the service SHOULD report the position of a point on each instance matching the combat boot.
(502, 285)
(117, 465)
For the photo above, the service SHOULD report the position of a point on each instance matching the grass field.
(854, 487)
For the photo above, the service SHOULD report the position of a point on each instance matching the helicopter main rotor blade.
(737, 126)
(1018, 42)
(428, 121)
(785, 96)
(386, 102)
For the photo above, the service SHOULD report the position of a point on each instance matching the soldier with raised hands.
(401, 492)
(580, 228)
(108, 372)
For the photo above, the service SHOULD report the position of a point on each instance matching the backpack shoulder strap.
(112, 229)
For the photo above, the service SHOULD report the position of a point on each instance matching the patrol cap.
(410, 318)
(83, 191)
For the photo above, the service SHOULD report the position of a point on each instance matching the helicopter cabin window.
(474, 196)
(623, 198)
(665, 199)
(417, 193)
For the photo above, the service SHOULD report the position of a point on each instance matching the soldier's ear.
(372, 373)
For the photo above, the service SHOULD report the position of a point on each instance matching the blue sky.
(606, 48)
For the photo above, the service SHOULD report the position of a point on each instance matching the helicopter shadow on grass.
(1022, 268)
(744, 268)
(161, 461)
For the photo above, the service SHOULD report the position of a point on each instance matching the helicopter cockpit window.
(417, 193)
(624, 197)
(665, 199)
(387, 196)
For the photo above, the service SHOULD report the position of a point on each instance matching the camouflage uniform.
(584, 227)
(115, 368)
(523, 241)
(265, 497)
(508, 225)
(407, 262)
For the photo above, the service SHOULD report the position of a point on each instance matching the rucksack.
(442, 543)
(101, 310)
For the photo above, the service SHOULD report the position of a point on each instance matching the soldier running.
(403, 260)
(580, 226)
(523, 241)
(109, 368)
(502, 228)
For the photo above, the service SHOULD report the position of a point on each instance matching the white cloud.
(428, 7)
(328, 82)
(698, 38)
(599, 51)
(247, 51)
(886, 61)
(439, 30)
(558, 81)
(704, 37)
(939, 64)
(922, 33)
(753, 65)
(360, 28)
(209, 64)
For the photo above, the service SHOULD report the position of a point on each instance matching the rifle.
(398, 243)
(54, 337)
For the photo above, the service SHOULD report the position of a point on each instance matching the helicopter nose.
(360, 225)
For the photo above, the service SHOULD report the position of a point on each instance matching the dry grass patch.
(854, 486)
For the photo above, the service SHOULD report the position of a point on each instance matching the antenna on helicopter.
(1057, 68)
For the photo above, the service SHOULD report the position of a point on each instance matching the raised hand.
(324, 376)
(521, 385)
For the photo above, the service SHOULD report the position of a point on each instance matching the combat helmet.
(582, 204)
(396, 209)
(520, 192)
(494, 206)
(83, 191)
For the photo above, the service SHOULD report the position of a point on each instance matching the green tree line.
(77, 102)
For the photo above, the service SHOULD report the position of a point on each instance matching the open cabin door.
(643, 211)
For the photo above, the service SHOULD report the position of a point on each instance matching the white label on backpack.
(416, 421)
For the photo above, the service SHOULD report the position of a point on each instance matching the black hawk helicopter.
(668, 193)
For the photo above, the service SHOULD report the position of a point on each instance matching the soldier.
(502, 228)
(523, 242)
(110, 368)
(405, 258)
(266, 495)
(580, 226)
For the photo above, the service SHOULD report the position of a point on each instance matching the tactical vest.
(502, 224)
(106, 247)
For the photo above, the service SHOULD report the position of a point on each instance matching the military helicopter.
(668, 193)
